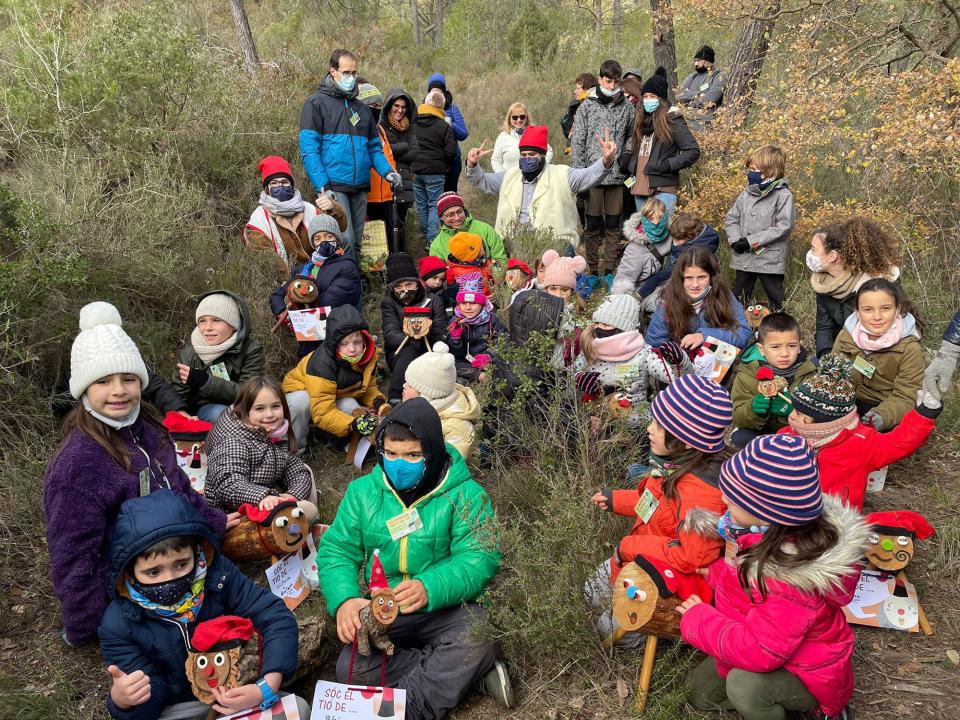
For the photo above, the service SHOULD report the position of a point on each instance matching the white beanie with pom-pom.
(434, 376)
(102, 348)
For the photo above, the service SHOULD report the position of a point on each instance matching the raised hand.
(608, 148)
(128, 691)
(473, 157)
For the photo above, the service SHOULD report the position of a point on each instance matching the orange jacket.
(380, 190)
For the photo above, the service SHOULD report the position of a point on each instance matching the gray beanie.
(221, 306)
(324, 223)
(622, 311)
(434, 376)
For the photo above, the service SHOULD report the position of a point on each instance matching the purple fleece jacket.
(83, 489)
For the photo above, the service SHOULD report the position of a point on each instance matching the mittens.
(455, 330)
(588, 383)
(480, 361)
(672, 352)
(780, 407)
(365, 424)
(873, 418)
(740, 246)
(760, 405)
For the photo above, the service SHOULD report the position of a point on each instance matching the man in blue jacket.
(339, 143)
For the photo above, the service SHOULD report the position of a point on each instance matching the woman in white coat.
(506, 150)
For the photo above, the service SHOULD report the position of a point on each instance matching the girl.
(841, 258)
(882, 339)
(776, 635)
(397, 120)
(474, 328)
(252, 453)
(695, 303)
(560, 281)
(690, 418)
(114, 448)
(759, 224)
(506, 148)
(648, 245)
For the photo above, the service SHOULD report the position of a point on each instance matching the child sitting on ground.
(219, 355)
(251, 454)
(882, 339)
(475, 328)
(166, 576)
(433, 274)
(687, 230)
(778, 350)
(433, 376)
(825, 415)
(776, 636)
(467, 258)
(335, 386)
(438, 567)
(686, 432)
(648, 246)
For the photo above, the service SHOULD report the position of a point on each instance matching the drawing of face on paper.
(900, 611)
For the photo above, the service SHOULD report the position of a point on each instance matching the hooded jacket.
(391, 315)
(666, 159)
(492, 243)
(134, 639)
(457, 123)
(708, 238)
(641, 258)
(325, 377)
(458, 420)
(898, 371)
(243, 361)
(745, 389)
(799, 627)
(83, 491)
(765, 219)
(404, 144)
(454, 554)
(437, 147)
(594, 117)
(658, 332)
(336, 153)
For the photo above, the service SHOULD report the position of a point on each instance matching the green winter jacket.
(492, 244)
(745, 389)
(454, 555)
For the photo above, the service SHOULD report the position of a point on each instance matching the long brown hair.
(660, 119)
(247, 396)
(677, 308)
(105, 436)
(688, 461)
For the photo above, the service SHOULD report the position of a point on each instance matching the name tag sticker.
(219, 370)
(144, 482)
(863, 367)
(704, 86)
(405, 523)
(646, 506)
(355, 118)
(630, 182)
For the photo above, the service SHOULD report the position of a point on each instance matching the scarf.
(280, 434)
(209, 353)
(186, 609)
(698, 301)
(891, 337)
(116, 424)
(656, 232)
(840, 287)
(402, 126)
(819, 434)
(284, 209)
(619, 347)
(767, 189)
(482, 317)
(790, 372)
(661, 467)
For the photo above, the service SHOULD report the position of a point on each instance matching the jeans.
(196, 710)
(756, 696)
(355, 207)
(210, 412)
(426, 191)
(298, 402)
(668, 199)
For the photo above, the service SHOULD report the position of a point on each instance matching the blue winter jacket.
(952, 335)
(457, 123)
(337, 153)
(658, 333)
(707, 238)
(133, 639)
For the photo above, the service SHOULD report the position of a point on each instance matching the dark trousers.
(393, 217)
(772, 285)
(398, 366)
(756, 696)
(452, 178)
(439, 656)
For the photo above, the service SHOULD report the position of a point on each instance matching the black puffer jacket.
(666, 159)
(404, 145)
(391, 315)
(437, 146)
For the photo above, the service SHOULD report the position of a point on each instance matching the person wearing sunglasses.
(506, 149)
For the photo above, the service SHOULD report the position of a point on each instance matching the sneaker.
(608, 281)
(594, 280)
(496, 684)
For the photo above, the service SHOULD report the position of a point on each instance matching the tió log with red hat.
(376, 617)
(891, 545)
(217, 659)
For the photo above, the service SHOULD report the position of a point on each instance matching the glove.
(480, 361)
(672, 352)
(740, 246)
(365, 424)
(939, 374)
(760, 405)
(873, 418)
(396, 182)
(324, 202)
(588, 383)
(780, 407)
(456, 330)
(197, 379)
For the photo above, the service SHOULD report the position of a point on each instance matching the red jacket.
(846, 460)
(799, 627)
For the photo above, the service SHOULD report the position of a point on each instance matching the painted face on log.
(889, 552)
(209, 670)
(383, 606)
(302, 290)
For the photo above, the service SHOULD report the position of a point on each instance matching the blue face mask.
(283, 193)
(650, 105)
(609, 92)
(531, 167)
(754, 177)
(732, 532)
(404, 474)
(347, 82)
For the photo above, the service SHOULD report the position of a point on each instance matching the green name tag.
(704, 86)
(863, 367)
(630, 181)
(219, 370)
(144, 482)
(646, 506)
(354, 119)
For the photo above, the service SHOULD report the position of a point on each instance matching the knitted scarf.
(288, 208)
(481, 317)
(698, 301)
(185, 610)
(840, 287)
(619, 347)
(891, 337)
(657, 232)
(819, 434)
(209, 353)
(280, 433)
(400, 126)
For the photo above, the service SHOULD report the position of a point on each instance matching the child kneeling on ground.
(167, 575)
(438, 564)
(475, 328)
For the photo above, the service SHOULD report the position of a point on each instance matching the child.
(560, 281)
(433, 274)
(405, 292)
(467, 257)
(758, 226)
(825, 415)
(251, 453)
(474, 329)
(335, 274)
(433, 376)
(776, 635)
(686, 432)
(114, 448)
(438, 570)
(882, 339)
(219, 355)
(648, 245)
(777, 349)
(166, 576)
(841, 258)
(335, 386)
(687, 230)
(696, 303)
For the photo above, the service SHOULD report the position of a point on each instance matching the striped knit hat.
(774, 478)
(696, 411)
(828, 395)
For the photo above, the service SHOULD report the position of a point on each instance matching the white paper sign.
(335, 701)
(362, 448)
(877, 479)
(285, 581)
(288, 704)
(308, 325)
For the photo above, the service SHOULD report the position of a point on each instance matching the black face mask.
(164, 593)
(601, 333)
(405, 296)
(699, 69)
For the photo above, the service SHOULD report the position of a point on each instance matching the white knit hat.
(622, 311)
(220, 305)
(434, 376)
(102, 348)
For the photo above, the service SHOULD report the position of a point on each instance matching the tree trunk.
(664, 44)
(748, 61)
(617, 22)
(598, 22)
(250, 60)
(415, 21)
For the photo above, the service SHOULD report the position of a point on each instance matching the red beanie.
(515, 264)
(431, 265)
(534, 138)
(901, 522)
(448, 200)
(221, 633)
(273, 166)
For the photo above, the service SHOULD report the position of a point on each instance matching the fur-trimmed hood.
(823, 575)
(633, 232)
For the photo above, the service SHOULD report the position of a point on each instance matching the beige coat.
(458, 421)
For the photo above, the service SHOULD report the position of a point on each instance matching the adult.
(605, 109)
(339, 143)
(457, 124)
(437, 149)
(397, 118)
(659, 148)
(455, 218)
(536, 194)
(581, 86)
(940, 372)
(279, 224)
(702, 90)
(506, 148)
(380, 198)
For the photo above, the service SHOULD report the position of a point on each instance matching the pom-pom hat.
(378, 578)
(694, 410)
(828, 395)
(102, 348)
(434, 376)
(657, 84)
(448, 200)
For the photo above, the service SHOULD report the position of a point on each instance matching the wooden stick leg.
(646, 673)
(612, 638)
(352, 449)
(925, 627)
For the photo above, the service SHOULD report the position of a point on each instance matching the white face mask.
(814, 261)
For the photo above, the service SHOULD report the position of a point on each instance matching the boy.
(433, 274)
(166, 575)
(777, 348)
(438, 562)
(687, 230)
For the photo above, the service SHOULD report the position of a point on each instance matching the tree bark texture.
(664, 42)
(415, 21)
(748, 59)
(250, 60)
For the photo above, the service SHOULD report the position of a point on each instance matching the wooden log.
(646, 611)
(282, 532)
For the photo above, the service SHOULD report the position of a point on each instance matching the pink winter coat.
(799, 627)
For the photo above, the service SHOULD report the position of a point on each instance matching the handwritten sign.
(287, 711)
(886, 601)
(309, 325)
(192, 458)
(285, 581)
(336, 701)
